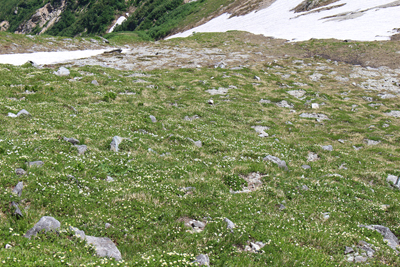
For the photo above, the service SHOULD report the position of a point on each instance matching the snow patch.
(120, 20)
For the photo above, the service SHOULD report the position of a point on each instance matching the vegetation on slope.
(146, 205)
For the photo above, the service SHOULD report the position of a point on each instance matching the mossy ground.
(144, 203)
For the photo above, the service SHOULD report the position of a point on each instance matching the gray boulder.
(203, 260)
(229, 224)
(327, 148)
(17, 211)
(62, 72)
(46, 223)
(115, 142)
(18, 189)
(388, 236)
(281, 163)
(153, 119)
(20, 172)
(393, 179)
(71, 140)
(81, 149)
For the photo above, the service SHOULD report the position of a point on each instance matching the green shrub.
(109, 96)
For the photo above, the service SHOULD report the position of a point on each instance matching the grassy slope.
(144, 202)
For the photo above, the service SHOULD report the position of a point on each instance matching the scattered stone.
(203, 259)
(229, 224)
(94, 82)
(343, 167)
(306, 167)
(394, 113)
(20, 171)
(312, 156)
(317, 116)
(8, 246)
(327, 148)
(81, 149)
(36, 163)
(297, 93)
(264, 101)
(315, 106)
(117, 50)
(315, 77)
(254, 247)
(388, 236)
(18, 189)
(115, 142)
(62, 72)
(281, 163)
(221, 65)
(17, 211)
(187, 189)
(104, 246)
(393, 179)
(385, 125)
(341, 141)
(257, 78)
(360, 259)
(195, 117)
(284, 104)
(46, 223)
(210, 102)
(153, 119)
(71, 140)
(198, 143)
(357, 148)
(305, 188)
(371, 142)
(109, 179)
(386, 96)
(325, 216)
(20, 113)
(107, 225)
(282, 207)
(348, 250)
(261, 130)
(220, 91)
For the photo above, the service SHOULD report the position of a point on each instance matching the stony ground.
(230, 149)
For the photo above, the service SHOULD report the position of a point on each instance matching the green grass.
(145, 203)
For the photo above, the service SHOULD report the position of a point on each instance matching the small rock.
(203, 259)
(46, 223)
(394, 113)
(107, 225)
(36, 163)
(348, 250)
(325, 216)
(284, 104)
(312, 156)
(357, 148)
(371, 142)
(151, 150)
(261, 130)
(153, 119)
(115, 142)
(360, 259)
(221, 65)
(281, 163)
(229, 224)
(62, 72)
(94, 82)
(282, 207)
(257, 78)
(317, 116)
(71, 140)
(23, 112)
(297, 93)
(315, 106)
(187, 118)
(81, 149)
(197, 224)
(18, 189)
(17, 211)
(109, 179)
(305, 188)
(306, 167)
(341, 141)
(210, 102)
(388, 236)
(8, 246)
(393, 179)
(264, 101)
(20, 171)
(327, 148)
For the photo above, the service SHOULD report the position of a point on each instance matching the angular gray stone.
(360, 259)
(198, 143)
(17, 211)
(306, 167)
(203, 260)
(20, 172)
(394, 113)
(46, 223)
(327, 148)
(81, 149)
(18, 189)
(23, 112)
(312, 156)
(94, 82)
(221, 65)
(388, 236)
(104, 247)
(229, 224)
(220, 91)
(279, 162)
(317, 116)
(348, 250)
(107, 225)
(284, 104)
(115, 142)
(393, 179)
(261, 130)
(282, 207)
(36, 163)
(153, 119)
(371, 142)
(199, 224)
(110, 179)
(62, 72)
(210, 102)
(297, 93)
(264, 101)
(7, 246)
(305, 188)
(71, 140)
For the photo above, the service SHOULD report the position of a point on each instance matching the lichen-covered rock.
(279, 162)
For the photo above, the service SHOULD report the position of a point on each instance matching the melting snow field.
(363, 20)
(48, 57)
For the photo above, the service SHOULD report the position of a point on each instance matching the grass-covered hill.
(188, 167)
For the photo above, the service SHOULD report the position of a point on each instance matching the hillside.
(220, 149)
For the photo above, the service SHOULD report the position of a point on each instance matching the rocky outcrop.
(307, 5)
(4, 25)
(44, 17)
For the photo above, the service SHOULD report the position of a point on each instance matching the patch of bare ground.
(308, 5)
